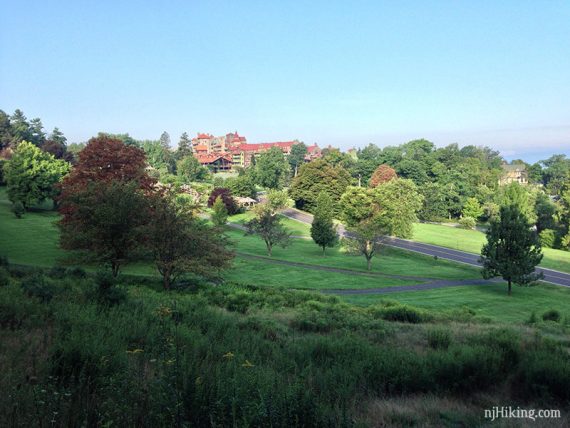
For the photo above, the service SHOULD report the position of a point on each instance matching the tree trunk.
(268, 250)
(509, 287)
(368, 263)
(324, 248)
(166, 280)
(115, 269)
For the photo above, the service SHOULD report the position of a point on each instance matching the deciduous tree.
(316, 177)
(272, 169)
(181, 243)
(267, 223)
(227, 198)
(105, 222)
(399, 202)
(472, 208)
(382, 174)
(32, 175)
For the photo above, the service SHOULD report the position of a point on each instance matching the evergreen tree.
(38, 136)
(323, 229)
(297, 157)
(165, 140)
(220, 212)
(512, 250)
(6, 132)
(20, 128)
(184, 146)
(58, 137)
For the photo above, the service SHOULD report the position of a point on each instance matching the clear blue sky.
(341, 73)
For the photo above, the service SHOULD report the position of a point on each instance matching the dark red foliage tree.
(382, 174)
(108, 159)
(227, 198)
(103, 202)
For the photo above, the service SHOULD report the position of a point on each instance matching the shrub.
(4, 277)
(544, 374)
(18, 209)
(439, 338)
(4, 262)
(76, 272)
(57, 272)
(36, 285)
(105, 291)
(551, 315)
(402, 313)
(547, 238)
(533, 319)
(227, 199)
(467, 223)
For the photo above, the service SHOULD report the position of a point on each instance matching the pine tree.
(323, 229)
(184, 146)
(165, 140)
(512, 250)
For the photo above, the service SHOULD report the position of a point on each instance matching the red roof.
(204, 136)
(266, 146)
(211, 158)
(313, 148)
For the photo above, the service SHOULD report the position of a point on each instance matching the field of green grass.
(33, 240)
(472, 240)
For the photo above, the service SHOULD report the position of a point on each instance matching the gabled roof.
(212, 157)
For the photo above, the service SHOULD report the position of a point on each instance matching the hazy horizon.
(344, 74)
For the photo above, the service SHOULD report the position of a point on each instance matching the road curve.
(551, 276)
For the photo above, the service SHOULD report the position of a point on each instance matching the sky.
(342, 73)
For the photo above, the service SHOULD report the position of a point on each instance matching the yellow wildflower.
(163, 311)
(229, 355)
(248, 364)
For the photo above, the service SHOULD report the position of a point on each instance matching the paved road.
(552, 276)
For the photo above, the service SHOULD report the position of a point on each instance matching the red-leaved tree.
(103, 203)
(382, 174)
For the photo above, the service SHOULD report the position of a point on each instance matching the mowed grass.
(472, 240)
(296, 228)
(263, 273)
(487, 300)
(391, 261)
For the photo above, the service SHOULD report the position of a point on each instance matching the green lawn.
(472, 241)
(32, 240)
(487, 300)
(296, 228)
(390, 260)
(262, 273)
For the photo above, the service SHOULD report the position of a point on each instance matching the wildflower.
(163, 311)
(229, 355)
(135, 351)
(247, 364)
